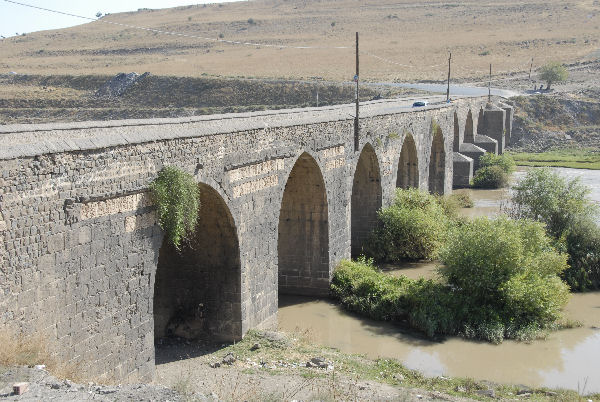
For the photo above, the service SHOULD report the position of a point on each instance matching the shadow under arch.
(456, 140)
(437, 162)
(469, 134)
(303, 231)
(366, 199)
(197, 290)
(408, 166)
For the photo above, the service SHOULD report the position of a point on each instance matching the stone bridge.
(285, 195)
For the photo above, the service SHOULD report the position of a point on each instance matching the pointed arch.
(197, 290)
(408, 166)
(437, 163)
(469, 134)
(456, 143)
(366, 199)
(480, 123)
(303, 240)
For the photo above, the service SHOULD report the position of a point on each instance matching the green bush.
(501, 281)
(506, 273)
(490, 177)
(177, 199)
(413, 227)
(451, 204)
(505, 161)
(464, 200)
(363, 289)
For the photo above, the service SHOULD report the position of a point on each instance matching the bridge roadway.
(285, 195)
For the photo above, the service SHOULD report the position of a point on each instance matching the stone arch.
(303, 239)
(366, 199)
(437, 162)
(469, 134)
(197, 290)
(456, 143)
(408, 166)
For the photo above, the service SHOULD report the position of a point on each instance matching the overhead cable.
(232, 42)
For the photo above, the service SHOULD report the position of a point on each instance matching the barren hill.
(416, 35)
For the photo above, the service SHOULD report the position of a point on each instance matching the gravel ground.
(196, 371)
(45, 387)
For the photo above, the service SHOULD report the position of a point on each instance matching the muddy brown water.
(566, 359)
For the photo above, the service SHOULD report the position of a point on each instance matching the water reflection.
(562, 360)
(566, 359)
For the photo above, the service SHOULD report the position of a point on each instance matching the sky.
(19, 19)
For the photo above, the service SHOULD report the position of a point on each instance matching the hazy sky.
(15, 18)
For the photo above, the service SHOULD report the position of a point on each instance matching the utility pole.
(490, 86)
(356, 142)
(317, 96)
(530, 68)
(448, 89)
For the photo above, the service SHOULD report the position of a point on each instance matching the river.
(566, 359)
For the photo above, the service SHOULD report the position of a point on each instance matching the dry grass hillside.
(418, 34)
(43, 99)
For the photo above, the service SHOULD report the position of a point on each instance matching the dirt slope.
(417, 34)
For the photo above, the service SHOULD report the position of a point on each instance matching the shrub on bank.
(583, 246)
(464, 200)
(504, 161)
(413, 227)
(363, 289)
(490, 177)
(500, 281)
(506, 274)
(494, 171)
(451, 204)
(563, 206)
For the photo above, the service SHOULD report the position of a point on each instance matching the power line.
(399, 64)
(232, 42)
(52, 11)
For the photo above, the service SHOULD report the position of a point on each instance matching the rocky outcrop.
(117, 85)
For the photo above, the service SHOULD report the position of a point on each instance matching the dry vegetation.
(29, 350)
(43, 99)
(506, 33)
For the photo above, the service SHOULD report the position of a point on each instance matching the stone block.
(85, 235)
(56, 243)
(20, 388)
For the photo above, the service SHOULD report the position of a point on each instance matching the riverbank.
(585, 158)
(276, 366)
(273, 366)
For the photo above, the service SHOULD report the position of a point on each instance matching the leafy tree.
(553, 72)
(547, 197)
(570, 218)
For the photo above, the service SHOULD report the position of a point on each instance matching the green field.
(584, 158)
